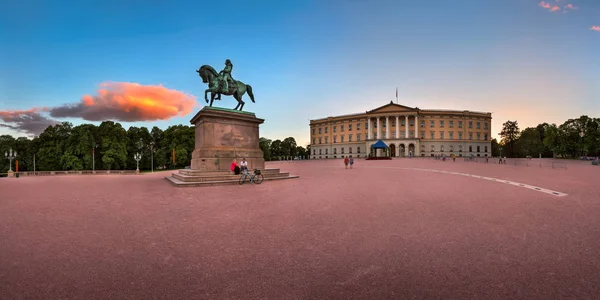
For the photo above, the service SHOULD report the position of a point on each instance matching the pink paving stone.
(374, 232)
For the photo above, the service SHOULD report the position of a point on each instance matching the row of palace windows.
(441, 136)
(422, 125)
(451, 148)
(314, 152)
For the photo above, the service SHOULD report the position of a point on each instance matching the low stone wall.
(84, 172)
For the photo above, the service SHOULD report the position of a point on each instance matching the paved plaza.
(400, 229)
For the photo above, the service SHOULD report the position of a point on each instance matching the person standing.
(346, 161)
(351, 161)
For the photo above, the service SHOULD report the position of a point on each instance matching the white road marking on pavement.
(527, 186)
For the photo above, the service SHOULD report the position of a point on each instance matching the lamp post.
(137, 158)
(94, 158)
(152, 156)
(10, 155)
(582, 134)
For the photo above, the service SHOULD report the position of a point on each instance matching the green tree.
(276, 152)
(530, 143)
(288, 147)
(510, 135)
(265, 146)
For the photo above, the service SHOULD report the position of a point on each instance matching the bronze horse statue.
(215, 87)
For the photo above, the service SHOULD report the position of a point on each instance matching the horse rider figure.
(226, 75)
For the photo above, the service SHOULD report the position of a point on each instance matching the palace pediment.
(392, 108)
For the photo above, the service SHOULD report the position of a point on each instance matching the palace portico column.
(416, 128)
(387, 127)
(406, 127)
(369, 129)
(397, 129)
(378, 129)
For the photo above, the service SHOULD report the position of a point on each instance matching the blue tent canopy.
(379, 145)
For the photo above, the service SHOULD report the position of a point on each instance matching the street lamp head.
(581, 134)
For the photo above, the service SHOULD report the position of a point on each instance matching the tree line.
(572, 139)
(108, 146)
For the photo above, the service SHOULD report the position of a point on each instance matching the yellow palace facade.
(407, 131)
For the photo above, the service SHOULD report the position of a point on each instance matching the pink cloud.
(549, 7)
(571, 7)
(545, 5)
(595, 28)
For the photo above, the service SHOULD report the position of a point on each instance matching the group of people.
(348, 160)
(236, 168)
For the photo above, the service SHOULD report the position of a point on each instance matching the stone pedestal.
(223, 135)
(10, 174)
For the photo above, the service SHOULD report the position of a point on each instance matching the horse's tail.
(249, 90)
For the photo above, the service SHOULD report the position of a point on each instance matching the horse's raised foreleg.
(212, 98)
(206, 95)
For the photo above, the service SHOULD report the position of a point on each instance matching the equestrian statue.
(223, 84)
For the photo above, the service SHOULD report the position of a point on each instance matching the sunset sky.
(135, 61)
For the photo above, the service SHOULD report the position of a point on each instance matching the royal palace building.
(405, 130)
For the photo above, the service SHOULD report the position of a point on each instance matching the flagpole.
(396, 95)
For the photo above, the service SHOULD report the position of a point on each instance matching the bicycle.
(256, 177)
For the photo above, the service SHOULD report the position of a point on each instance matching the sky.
(134, 61)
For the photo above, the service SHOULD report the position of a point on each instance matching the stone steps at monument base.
(217, 173)
(178, 183)
(189, 178)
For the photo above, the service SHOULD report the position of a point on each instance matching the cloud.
(28, 121)
(548, 6)
(119, 101)
(129, 102)
(595, 28)
(571, 7)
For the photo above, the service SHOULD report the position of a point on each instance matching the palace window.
(313, 131)
(442, 148)
(320, 151)
(334, 150)
(342, 138)
(335, 139)
(314, 151)
(477, 148)
(441, 123)
(334, 128)
(342, 150)
(459, 124)
(432, 134)
(478, 136)
(314, 140)
(350, 150)
(357, 149)
(320, 130)
(470, 135)
(402, 122)
(319, 140)
(349, 127)
(342, 128)
(485, 125)
(470, 148)
(422, 124)
(451, 124)
(460, 135)
(393, 134)
(326, 139)
(485, 147)
(358, 126)
(470, 124)
(451, 148)
(422, 134)
(485, 137)
(393, 122)
(460, 148)
(431, 123)
(412, 122)
(432, 148)
(451, 135)
(349, 138)
(478, 125)
(441, 135)
(358, 137)
(326, 129)
(326, 151)
(412, 134)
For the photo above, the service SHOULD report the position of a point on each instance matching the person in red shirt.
(235, 168)
(346, 161)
